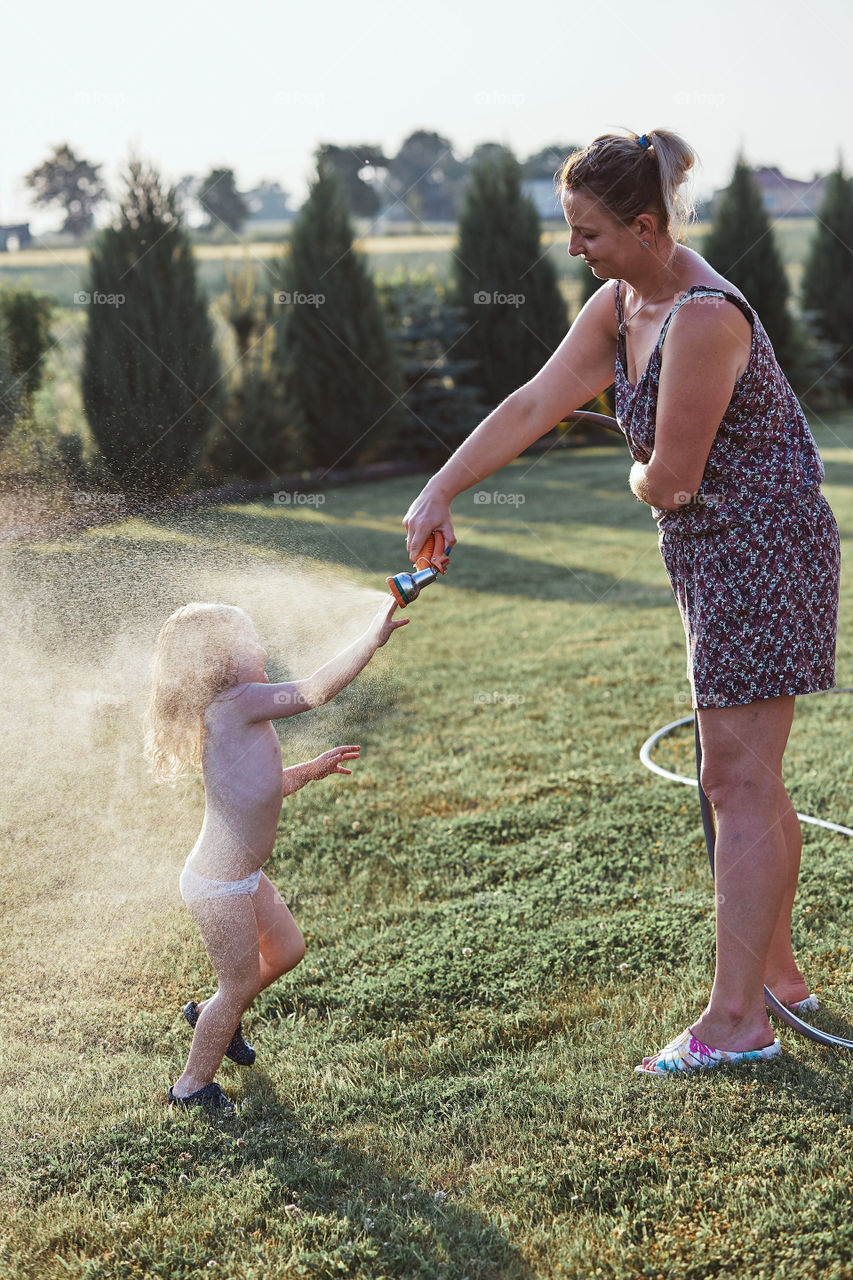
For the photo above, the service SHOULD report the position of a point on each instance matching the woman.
(724, 457)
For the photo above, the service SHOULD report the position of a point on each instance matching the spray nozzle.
(430, 562)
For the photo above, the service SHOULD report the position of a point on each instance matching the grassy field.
(62, 272)
(504, 911)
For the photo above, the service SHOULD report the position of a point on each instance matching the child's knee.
(283, 950)
(291, 954)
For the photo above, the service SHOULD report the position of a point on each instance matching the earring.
(644, 244)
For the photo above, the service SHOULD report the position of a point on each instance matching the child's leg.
(280, 942)
(229, 929)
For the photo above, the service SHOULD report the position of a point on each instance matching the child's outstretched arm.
(275, 701)
(294, 778)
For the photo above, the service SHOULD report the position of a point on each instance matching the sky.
(255, 87)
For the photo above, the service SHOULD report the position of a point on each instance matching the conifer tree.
(827, 289)
(425, 329)
(338, 368)
(505, 283)
(249, 442)
(25, 320)
(605, 402)
(10, 390)
(742, 247)
(150, 369)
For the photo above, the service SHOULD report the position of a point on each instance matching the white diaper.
(193, 887)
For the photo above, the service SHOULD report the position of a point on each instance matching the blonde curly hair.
(195, 659)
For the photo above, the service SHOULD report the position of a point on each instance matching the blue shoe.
(238, 1051)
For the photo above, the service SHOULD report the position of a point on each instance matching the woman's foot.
(788, 986)
(791, 989)
(733, 1034)
(811, 1004)
(688, 1053)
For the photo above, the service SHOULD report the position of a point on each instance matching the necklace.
(623, 326)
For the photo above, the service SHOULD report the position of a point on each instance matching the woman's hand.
(428, 512)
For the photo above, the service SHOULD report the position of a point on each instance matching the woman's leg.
(280, 943)
(742, 749)
(229, 929)
(782, 974)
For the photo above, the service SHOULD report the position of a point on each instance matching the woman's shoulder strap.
(617, 291)
(708, 291)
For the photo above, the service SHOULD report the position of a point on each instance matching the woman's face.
(605, 244)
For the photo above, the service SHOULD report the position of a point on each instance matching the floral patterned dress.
(754, 557)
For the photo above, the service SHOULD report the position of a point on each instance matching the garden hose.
(781, 1010)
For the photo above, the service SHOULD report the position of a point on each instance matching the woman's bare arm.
(702, 354)
(580, 368)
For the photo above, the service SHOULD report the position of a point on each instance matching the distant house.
(18, 235)
(544, 194)
(784, 197)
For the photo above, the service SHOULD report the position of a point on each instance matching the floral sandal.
(686, 1053)
(809, 1005)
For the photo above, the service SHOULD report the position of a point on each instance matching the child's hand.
(383, 625)
(330, 762)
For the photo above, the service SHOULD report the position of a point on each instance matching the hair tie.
(643, 141)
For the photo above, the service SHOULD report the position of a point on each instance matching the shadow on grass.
(258, 1182)
(473, 568)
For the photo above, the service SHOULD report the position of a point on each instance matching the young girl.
(210, 708)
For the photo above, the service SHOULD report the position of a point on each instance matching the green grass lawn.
(504, 911)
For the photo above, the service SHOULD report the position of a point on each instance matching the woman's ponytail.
(636, 173)
(675, 159)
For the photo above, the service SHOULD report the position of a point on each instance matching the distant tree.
(25, 318)
(742, 247)
(248, 440)
(505, 283)
(590, 284)
(338, 367)
(150, 368)
(186, 195)
(426, 177)
(268, 200)
(483, 152)
(425, 329)
(827, 287)
(73, 183)
(349, 163)
(545, 163)
(221, 201)
(603, 403)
